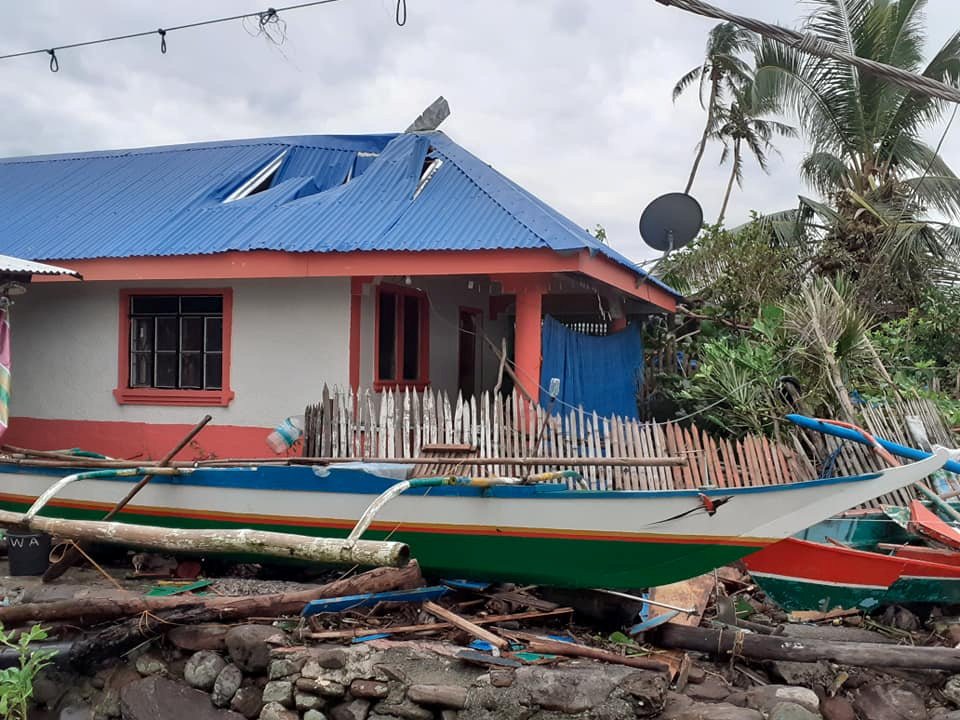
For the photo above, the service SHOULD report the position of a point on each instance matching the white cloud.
(569, 98)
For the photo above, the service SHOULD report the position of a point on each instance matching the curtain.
(600, 373)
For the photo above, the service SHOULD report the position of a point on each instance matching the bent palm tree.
(723, 70)
(868, 159)
(742, 124)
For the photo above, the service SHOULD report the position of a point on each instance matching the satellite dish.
(671, 221)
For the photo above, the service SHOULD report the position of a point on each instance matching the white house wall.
(289, 337)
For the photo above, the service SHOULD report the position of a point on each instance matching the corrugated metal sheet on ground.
(331, 194)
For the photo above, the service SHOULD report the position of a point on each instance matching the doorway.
(469, 364)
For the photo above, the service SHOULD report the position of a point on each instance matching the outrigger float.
(540, 532)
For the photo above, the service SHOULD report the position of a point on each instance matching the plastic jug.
(286, 434)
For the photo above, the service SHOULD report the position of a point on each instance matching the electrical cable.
(264, 17)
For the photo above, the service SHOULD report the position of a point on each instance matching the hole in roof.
(259, 181)
(430, 167)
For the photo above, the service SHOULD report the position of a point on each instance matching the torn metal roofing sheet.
(16, 266)
(334, 193)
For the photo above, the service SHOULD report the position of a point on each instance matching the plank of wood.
(427, 628)
(462, 623)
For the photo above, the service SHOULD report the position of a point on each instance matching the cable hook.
(54, 63)
(401, 16)
(163, 41)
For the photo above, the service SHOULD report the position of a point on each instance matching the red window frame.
(126, 395)
(423, 371)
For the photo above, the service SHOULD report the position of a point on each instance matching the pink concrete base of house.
(138, 440)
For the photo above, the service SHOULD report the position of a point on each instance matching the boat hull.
(799, 575)
(543, 534)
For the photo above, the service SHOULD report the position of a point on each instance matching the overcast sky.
(570, 98)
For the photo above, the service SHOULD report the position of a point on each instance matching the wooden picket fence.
(889, 420)
(406, 424)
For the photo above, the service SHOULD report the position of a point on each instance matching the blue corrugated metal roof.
(330, 194)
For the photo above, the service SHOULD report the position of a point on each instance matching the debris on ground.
(387, 644)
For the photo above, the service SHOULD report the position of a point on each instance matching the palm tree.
(723, 70)
(868, 159)
(742, 124)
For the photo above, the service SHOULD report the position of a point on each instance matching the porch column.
(356, 322)
(529, 291)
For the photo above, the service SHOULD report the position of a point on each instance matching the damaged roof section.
(334, 193)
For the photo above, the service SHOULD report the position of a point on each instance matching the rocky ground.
(267, 670)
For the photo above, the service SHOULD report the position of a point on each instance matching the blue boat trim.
(349, 602)
(354, 480)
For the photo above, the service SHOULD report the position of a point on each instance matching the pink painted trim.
(126, 395)
(135, 440)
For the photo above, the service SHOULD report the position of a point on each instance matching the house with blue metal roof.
(244, 275)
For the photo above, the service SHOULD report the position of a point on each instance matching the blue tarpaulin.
(600, 373)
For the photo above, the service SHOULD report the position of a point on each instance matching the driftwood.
(428, 628)
(771, 647)
(555, 647)
(465, 625)
(366, 553)
(88, 611)
(73, 554)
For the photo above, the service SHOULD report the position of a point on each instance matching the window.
(174, 347)
(402, 338)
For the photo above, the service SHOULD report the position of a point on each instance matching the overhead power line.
(264, 17)
(816, 45)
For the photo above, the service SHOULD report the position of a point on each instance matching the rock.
(806, 674)
(202, 669)
(353, 710)
(324, 659)
(837, 708)
(501, 677)
(285, 667)
(764, 698)
(226, 685)
(150, 664)
(371, 689)
(157, 698)
(314, 715)
(448, 696)
(696, 675)
(51, 683)
(718, 711)
(80, 711)
(248, 647)
(320, 686)
(108, 706)
(278, 691)
(791, 711)
(276, 711)
(566, 690)
(406, 710)
(951, 689)
(953, 632)
(711, 690)
(305, 701)
(737, 698)
(248, 701)
(889, 701)
(199, 637)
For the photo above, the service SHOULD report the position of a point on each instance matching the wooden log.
(772, 647)
(428, 628)
(73, 554)
(333, 551)
(463, 624)
(87, 611)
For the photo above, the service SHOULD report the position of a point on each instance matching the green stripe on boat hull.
(792, 594)
(584, 563)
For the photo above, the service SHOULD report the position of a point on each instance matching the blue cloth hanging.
(600, 373)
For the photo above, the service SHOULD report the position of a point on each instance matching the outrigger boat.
(544, 532)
